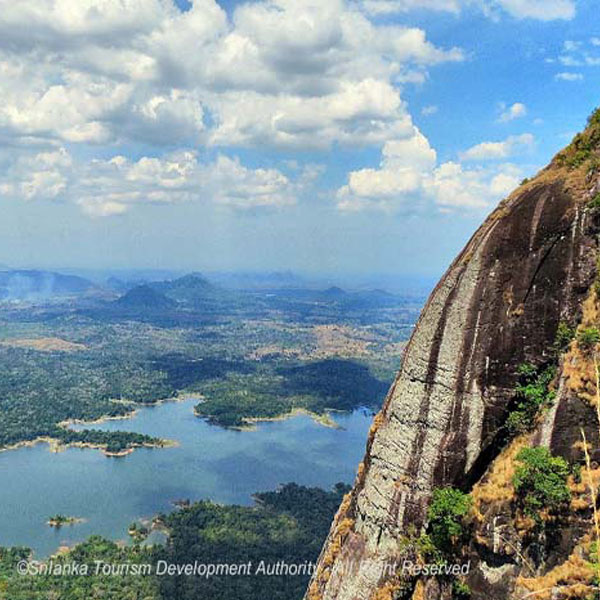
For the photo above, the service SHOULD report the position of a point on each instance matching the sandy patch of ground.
(340, 340)
(51, 344)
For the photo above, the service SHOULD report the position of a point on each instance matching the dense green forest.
(288, 525)
(329, 384)
(40, 585)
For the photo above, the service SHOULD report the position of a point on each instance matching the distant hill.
(191, 289)
(185, 289)
(41, 285)
(188, 299)
(378, 298)
(145, 298)
(333, 293)
(117, 285)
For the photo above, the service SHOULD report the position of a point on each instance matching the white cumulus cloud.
(512, 112)
(429, 110)
(499, 150)
(124, 78)
(107, 187)
(409, 176)
(387, 7)
(279, 72)
(542, 10)
(579, 55)
(567, 76)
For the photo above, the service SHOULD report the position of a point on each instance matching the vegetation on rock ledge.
(540, 482)
(532, 393)
(581, 149)
(449, 506)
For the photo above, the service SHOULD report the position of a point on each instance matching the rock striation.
(529, 267)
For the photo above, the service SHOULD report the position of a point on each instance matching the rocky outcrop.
(529, 267)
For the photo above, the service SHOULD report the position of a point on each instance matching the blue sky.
(365, 136)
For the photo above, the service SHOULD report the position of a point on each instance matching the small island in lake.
(58, 521)
(138, 533)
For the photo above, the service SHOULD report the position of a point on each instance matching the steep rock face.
(528, 267)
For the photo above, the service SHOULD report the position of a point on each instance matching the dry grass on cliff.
(578, 364)
(580, 494)
(571, 580)
(579, 371)
(389, 591)
(574, 578)
(377, 423)
(496, 486)
(419, 593)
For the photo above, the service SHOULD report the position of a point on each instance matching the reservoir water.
(209, 463)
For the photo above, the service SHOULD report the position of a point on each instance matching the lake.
(209, 463)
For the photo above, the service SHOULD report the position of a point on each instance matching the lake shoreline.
(138, 406)
(251, 423)
(56, 445)
(212, 463)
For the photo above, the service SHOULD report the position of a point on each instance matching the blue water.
(209, 463)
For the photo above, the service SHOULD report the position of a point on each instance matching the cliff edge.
(519, 299)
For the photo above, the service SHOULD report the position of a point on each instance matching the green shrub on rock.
(460, 591)
(564, 335)
(587, 338)
(540, 481)
(532, 394)
(446, 512)
(594, 203)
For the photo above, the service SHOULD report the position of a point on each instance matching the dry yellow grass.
(582, 370)
(387, 591)
(572, 579)
(497, 486)
(579, 371)
(332, 341)
(340, 340)
(419, 593)
(274, 349)
(580, 495)
(578, 365)
(376, 424)
(50, 344)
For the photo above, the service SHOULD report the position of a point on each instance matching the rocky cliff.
(526, 274)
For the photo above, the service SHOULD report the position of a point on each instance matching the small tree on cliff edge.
(448, 508)
(540, 481)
